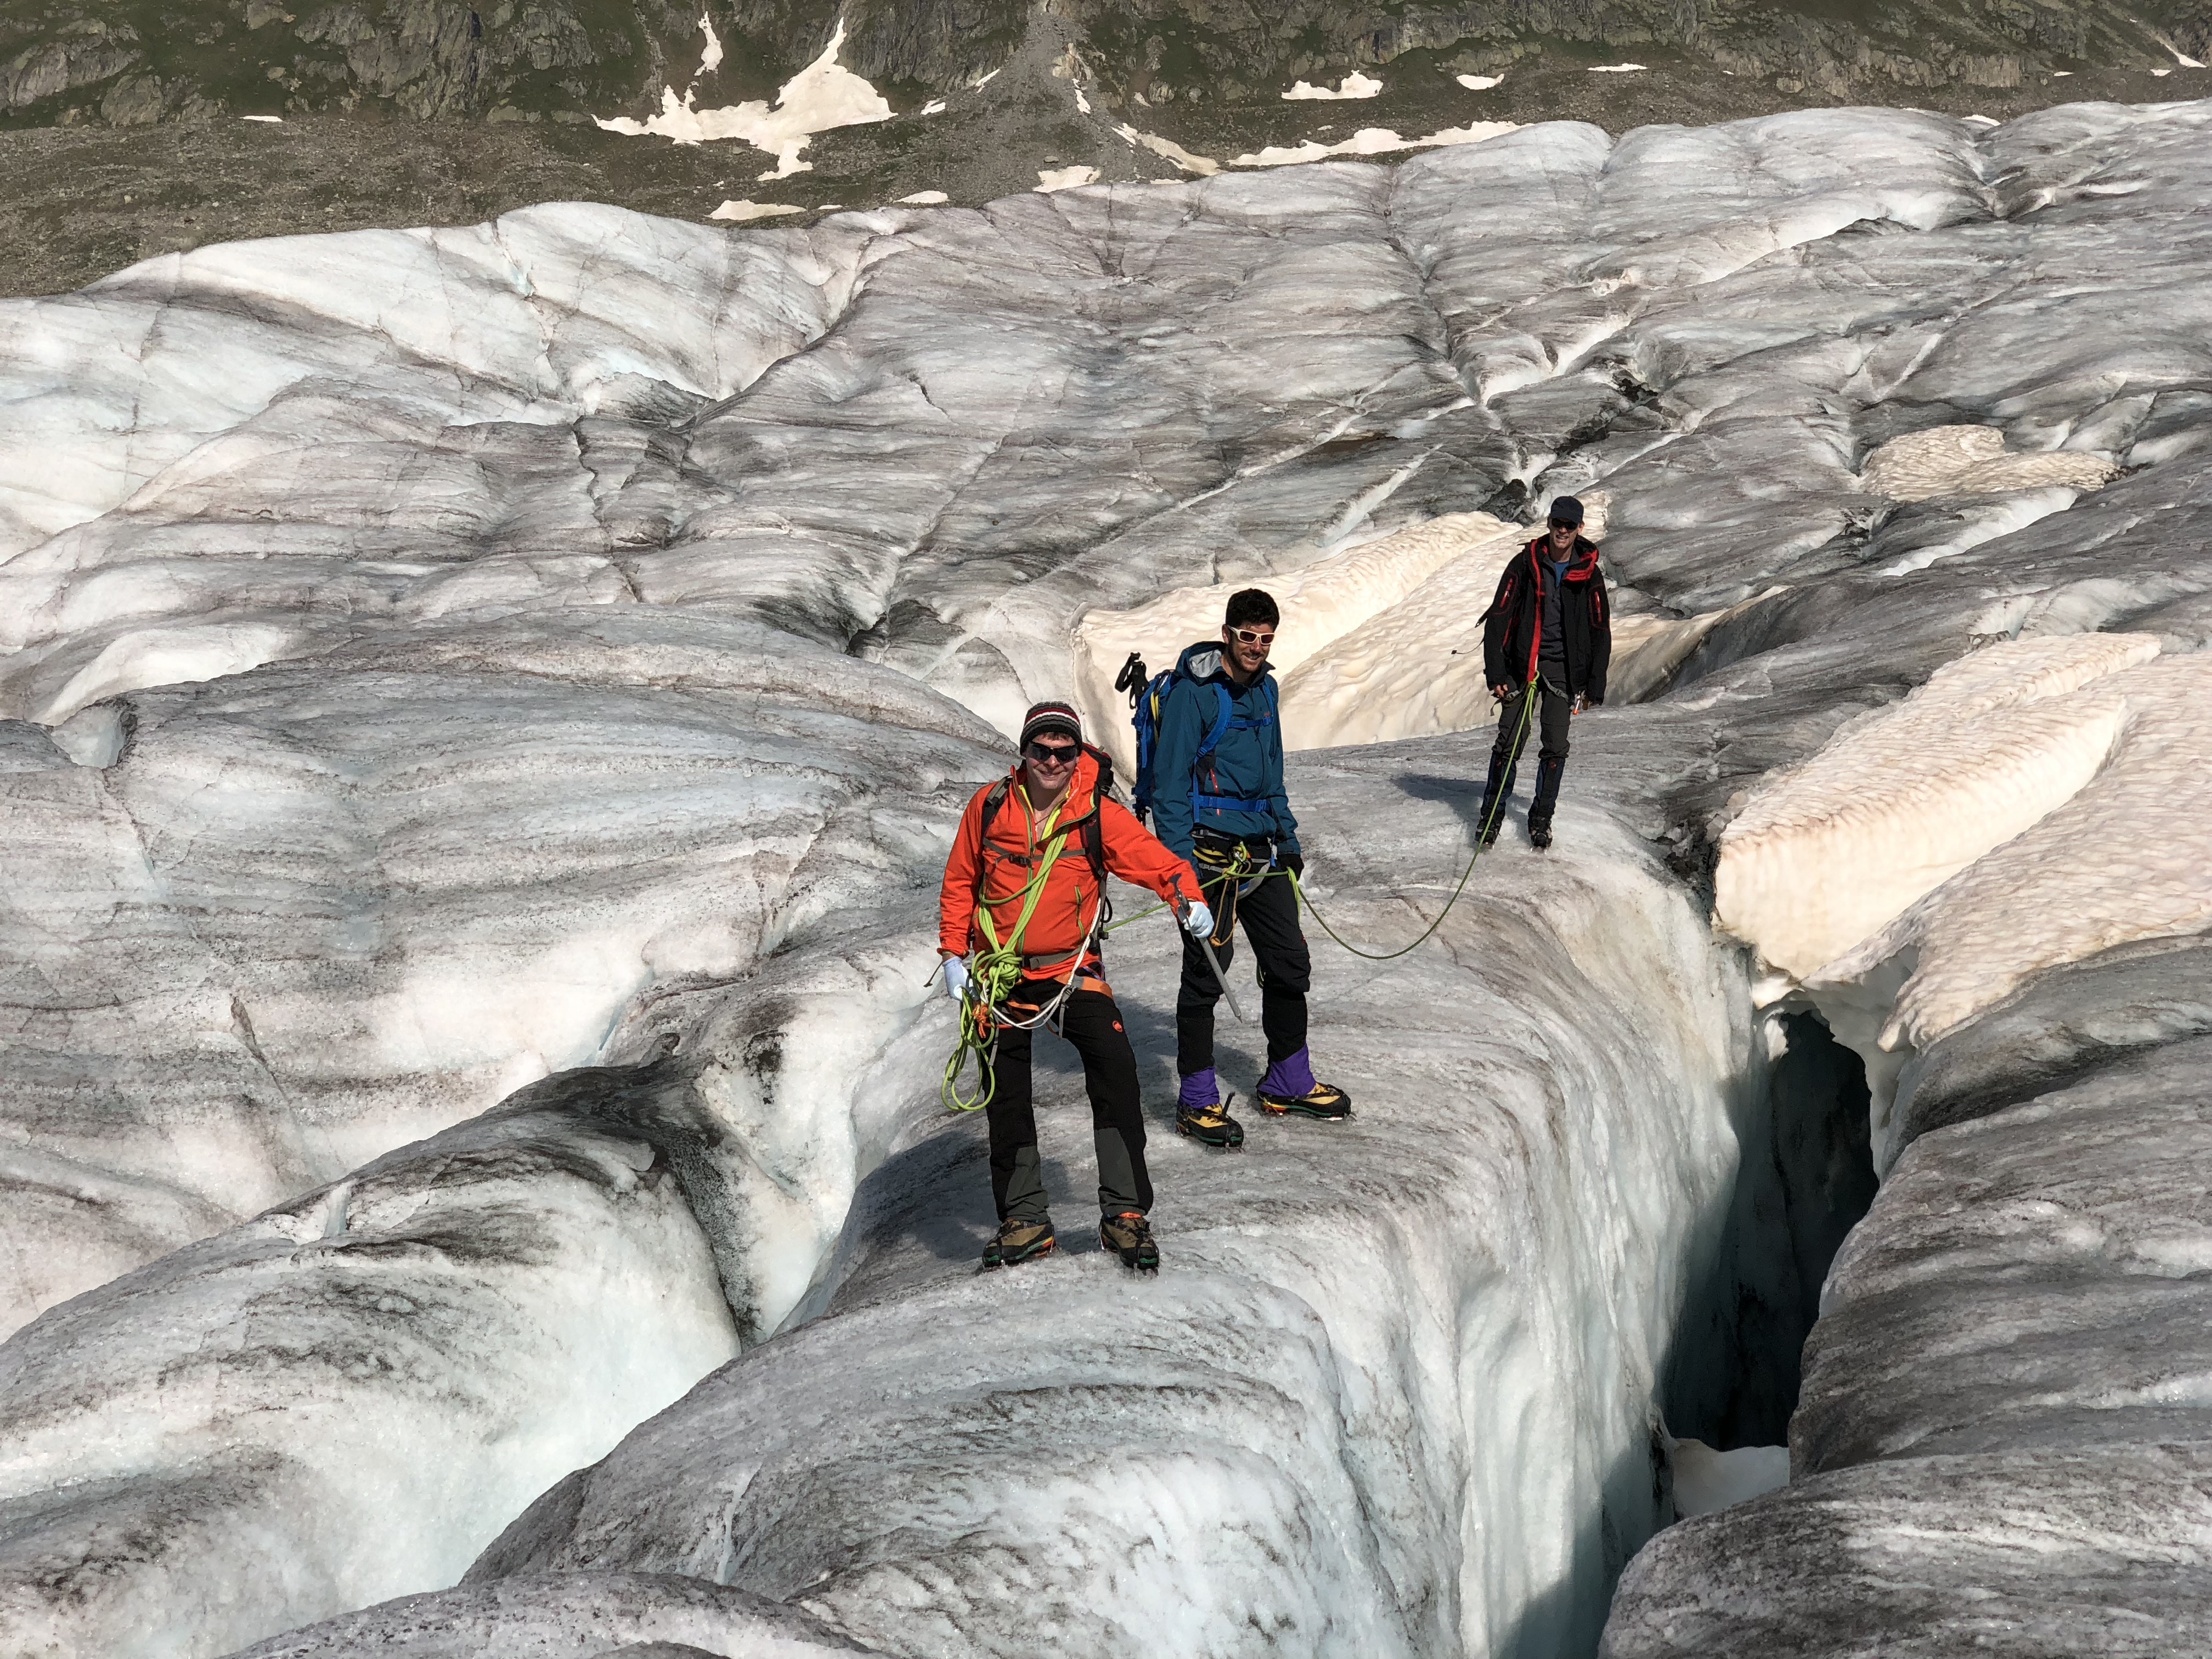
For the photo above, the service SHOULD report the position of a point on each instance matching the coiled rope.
(996, 968)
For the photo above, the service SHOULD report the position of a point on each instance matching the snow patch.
(271, 120)
(1972, 460)
(1068, 178)
(820, 97)
(1354, 85)
(738, 212)
(1616, 68)
(1415, 667)
(1321, 603)
(1478, 83)
(1900, 800)
(934, 107)
(1707, 1479)
(1204, 166)
(925, 198)
(1372, 141)
(2126, 857)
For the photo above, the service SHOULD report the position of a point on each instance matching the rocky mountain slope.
(134, 130)
(62, 61)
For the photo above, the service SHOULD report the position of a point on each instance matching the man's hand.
(1294, 862)
(1198, 920)
(1502, 693)
(957, 978)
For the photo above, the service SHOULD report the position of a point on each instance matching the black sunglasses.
(1561, 524)
(1053, 754)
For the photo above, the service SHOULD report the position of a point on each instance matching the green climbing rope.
(994, 971)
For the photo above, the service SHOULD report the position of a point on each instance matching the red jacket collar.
(1581, 562)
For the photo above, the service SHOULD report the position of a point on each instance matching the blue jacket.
(1246, 765)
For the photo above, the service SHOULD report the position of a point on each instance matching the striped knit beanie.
(1051, 717)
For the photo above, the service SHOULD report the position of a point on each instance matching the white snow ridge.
(483, 714)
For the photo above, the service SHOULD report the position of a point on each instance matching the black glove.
(1293, 862)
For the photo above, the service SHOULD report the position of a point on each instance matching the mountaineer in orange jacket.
(1053, 814)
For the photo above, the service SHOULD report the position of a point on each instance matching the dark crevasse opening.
(1806, 1177)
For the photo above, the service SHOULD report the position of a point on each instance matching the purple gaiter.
(1289, 1076)
(1199, 1090)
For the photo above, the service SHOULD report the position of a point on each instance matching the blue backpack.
(1146, 697)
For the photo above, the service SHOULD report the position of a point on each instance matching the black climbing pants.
(1553, 717)
(1554, 714)
(1091, 1022)
(1269, 908)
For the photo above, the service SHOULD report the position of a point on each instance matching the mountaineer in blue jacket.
(1214, 801)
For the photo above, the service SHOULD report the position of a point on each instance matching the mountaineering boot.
(1130, 1236)
(1200, 1114)
(1549, 770)
(1210, 1126)
(1491, 819)
(1290, 1087)
(1017, 1241)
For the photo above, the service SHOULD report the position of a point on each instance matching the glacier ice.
(460, 683)
(347, 1397)
(1238, 1457)
(593, 1615)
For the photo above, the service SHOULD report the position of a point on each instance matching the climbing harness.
(996, 968)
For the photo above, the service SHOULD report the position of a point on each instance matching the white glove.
(1198, 919)
(956, 976)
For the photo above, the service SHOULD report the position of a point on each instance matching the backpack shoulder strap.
(991, 804)
(1094, 846)
(1213, 738)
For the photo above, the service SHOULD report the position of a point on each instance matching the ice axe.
(1205, 943)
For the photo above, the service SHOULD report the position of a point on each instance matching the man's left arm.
(1278, 799)
(1601, 638)
(1141, 859)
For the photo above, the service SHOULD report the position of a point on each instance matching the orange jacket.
(997, 870)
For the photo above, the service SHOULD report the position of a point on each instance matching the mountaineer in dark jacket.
(1219, 800)
(1548, 632)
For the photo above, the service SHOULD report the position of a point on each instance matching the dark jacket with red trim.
(992, 868)
(1512, 627)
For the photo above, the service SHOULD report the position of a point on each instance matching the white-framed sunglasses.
(1254, 636)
